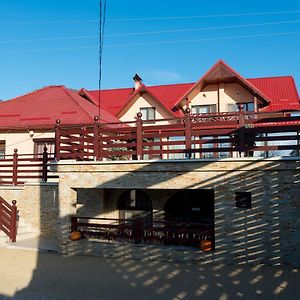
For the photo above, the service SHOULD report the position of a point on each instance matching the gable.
(143, 100)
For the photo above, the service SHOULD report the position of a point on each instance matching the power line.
(205, 39)
(151, 32)
(153, 18)
(208, 16)
(157, 43)
(101, 40)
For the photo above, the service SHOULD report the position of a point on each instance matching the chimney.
(137, 81)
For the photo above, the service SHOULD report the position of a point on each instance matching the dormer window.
(203, 109)
(148, 113)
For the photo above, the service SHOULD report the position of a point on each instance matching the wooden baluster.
(73, 224)
(187, 130)
(96, 138)
(13, 230)
(57, 140)
(15, 167)
(45, 167)
(241, 131)
(139, 136)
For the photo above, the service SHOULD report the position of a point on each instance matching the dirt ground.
(32, 275)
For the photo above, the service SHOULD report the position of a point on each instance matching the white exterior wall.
(233, 93)
(22, 141)
(227, 95)
(140, 101)
(208, 96)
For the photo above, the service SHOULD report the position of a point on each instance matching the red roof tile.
(281, 90)
(114, 100)
(43, 107)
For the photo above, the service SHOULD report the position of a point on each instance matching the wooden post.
(45, 167)
(14, 212)
(96, 138)
(137, 230)
(15, 167)
(57, 140)
(241, 131)
(73, 224)
(187, 131)
(139, 136)
(298, 143)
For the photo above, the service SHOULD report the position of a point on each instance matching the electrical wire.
(155, 43)
(101, 41)
(154, 18)
(150, 32)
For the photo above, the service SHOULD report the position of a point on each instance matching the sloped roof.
(111, 100)
(43, 107)
(278, 93)
(281, 90)
(114, 100)
(221, 72)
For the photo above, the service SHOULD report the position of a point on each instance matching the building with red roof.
(218, 90)
(32, 117)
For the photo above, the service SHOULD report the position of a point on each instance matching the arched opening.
(135, 204)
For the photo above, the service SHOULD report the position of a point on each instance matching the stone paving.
(27, 274)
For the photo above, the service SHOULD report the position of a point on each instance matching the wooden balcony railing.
(194, 136)
(217, 135)
(17, 169)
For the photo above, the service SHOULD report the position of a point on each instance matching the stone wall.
(269, 232)
(37, 205)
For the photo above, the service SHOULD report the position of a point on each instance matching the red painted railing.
(194, 136)
(16, 169)
(163, 232)
(8, 218)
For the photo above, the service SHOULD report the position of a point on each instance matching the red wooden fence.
(8, 218)
(215, 135)
(163, 232)
(16, 169)
(194, 136)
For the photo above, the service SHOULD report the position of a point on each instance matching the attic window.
(203, 109)
(148, 113)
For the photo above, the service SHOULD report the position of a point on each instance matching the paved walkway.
(26, 274)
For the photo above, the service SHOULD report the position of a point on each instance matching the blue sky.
(53, 42)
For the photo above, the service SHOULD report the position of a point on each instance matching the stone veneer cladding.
(267, 233)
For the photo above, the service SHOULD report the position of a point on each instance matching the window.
(148, 113)
(203, 109)
(2, 149)
(248, 106)
(39, 145)
(243, 199)
(232, 107)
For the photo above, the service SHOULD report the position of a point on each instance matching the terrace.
(201, 136)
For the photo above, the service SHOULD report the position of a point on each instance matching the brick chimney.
(137, 81)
